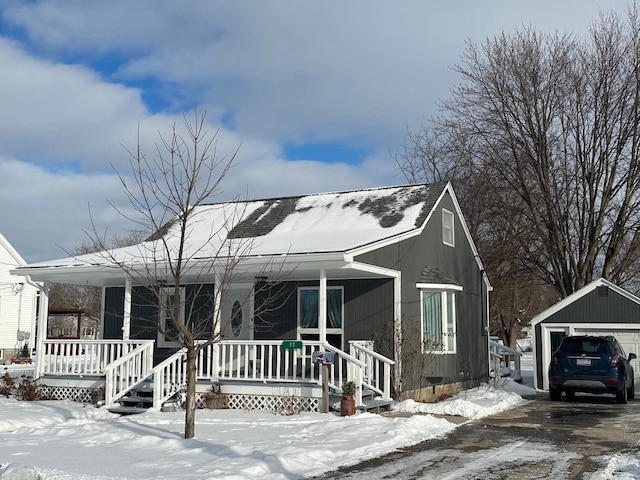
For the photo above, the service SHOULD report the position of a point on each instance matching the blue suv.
(592, 365)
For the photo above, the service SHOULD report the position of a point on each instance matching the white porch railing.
(128, 371)
(263, 361)
(86, 357)
(501, 355)
(377, 370)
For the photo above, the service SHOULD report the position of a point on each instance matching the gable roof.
(315, 231)
(318, 223)
(13, 253)
(600, 282)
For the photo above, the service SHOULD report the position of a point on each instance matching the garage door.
(629, 339)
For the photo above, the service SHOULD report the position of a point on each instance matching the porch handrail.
(377, 370)
(124, 374)
(498, 352)
(169, 377)
(85, 357)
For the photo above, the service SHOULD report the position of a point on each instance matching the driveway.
(541, 439)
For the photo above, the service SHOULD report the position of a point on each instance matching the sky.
(314, 96)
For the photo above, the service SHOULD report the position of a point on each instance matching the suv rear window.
(586, 345)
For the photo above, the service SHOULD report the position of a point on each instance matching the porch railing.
(86, 357)
(128, 371)
(262, 360)
(501, 355)
(377, 370)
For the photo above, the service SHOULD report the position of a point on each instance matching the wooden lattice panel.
(76, 394)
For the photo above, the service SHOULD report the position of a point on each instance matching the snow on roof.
(317, 223)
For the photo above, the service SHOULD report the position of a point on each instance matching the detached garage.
(600, 308)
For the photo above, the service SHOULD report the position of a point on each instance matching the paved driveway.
(541, 439)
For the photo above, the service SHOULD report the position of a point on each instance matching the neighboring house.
(406, 301)
(18, 304)
(599, 308)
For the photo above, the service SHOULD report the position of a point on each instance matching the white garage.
(600, 308)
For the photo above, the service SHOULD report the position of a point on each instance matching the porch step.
(124, 410)
(376, 406)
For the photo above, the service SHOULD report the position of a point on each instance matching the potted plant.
(97, 395)
(348, 403)
(214, 398)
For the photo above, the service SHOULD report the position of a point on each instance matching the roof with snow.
(318, 223)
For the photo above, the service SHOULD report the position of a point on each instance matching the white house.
(18, 304)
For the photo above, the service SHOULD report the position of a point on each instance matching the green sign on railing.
(291, 345)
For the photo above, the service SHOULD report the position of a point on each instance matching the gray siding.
(596, 308)
(113, 313)
(411, 257)
(368, 309)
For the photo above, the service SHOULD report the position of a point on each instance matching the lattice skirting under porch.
(287, 404)
(283, 404)
(77, 394)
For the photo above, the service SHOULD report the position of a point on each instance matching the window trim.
(448, 228)
(444, 293)
(165, 292)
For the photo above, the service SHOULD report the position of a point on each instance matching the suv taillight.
(554, 358)
(615, 360)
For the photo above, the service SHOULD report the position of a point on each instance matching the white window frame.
(444, 311)
(165, 293)
(448, 228)
(316, 331)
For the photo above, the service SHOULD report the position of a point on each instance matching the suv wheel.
(631, 391)
(554, 394)
(621, 395)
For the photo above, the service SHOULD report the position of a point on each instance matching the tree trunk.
(190, 407)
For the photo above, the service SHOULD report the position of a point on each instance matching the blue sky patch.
(325, 152)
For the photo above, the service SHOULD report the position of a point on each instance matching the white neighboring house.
(18, 304)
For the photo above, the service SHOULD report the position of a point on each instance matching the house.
(18, 304)
(599, 308)
(405, 309)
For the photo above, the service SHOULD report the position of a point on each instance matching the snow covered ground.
(66, 440)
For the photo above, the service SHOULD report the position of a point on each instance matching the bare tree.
(171, 194)
(86, 297)
(542, 137)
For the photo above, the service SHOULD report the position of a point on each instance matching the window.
(438, 321)
(308, 307)
(167, 324)
(447, 228)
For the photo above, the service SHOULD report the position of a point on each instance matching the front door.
(554, 336)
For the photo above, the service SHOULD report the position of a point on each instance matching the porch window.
(438, 321)
(168, 334)
(448, 222)
(309, 307)
(308, 310)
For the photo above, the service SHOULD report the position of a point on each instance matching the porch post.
(43, 317)
(126, 318)
(322, 307)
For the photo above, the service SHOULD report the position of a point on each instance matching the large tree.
(167, 192)
(541, 139)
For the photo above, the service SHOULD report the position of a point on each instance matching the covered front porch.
(252, 374)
